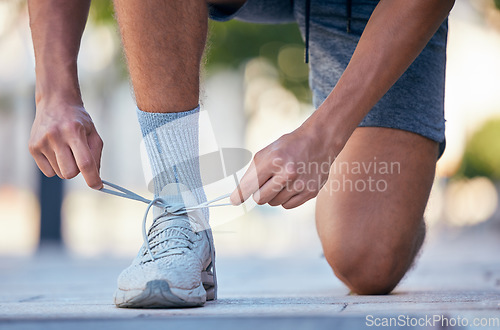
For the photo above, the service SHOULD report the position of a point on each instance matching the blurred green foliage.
(497, 3)
(233, 43)
(482, 152)
(102, 12)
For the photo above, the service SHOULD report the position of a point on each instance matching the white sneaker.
(175, 266)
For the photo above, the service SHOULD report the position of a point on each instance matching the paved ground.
(457, 277)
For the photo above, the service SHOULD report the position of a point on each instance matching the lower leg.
(370, 237)
(164, 43)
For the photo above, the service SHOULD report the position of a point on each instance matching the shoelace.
(171, 211)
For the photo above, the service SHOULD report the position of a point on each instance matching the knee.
(366, 275)
(373, 268)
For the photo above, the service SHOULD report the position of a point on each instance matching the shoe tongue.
(174, 195)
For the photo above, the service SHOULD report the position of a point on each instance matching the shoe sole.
(157, 294)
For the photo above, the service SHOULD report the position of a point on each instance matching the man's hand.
(64, 141)
(288, 172)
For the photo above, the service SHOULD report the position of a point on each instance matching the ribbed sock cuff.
(150, 121)
(171, 141)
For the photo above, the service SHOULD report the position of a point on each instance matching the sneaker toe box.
(179, 271)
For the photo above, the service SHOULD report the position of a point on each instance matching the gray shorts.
(416, 101)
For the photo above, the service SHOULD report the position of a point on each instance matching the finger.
(270, 189)
(95, 145)
(44, 165)
(86, 163)
(236, 197)
(66, 162)
(284, 196)
(295, 201)
(251, 181)
(51, 158)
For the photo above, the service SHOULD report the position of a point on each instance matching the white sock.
(171, 142)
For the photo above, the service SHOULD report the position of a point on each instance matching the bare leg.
(370, 238)
(164, 43)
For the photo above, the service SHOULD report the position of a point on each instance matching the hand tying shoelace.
(171, 210)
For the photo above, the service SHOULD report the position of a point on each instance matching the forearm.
(57, 27)
(396, 33)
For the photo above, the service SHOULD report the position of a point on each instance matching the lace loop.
(171, 211)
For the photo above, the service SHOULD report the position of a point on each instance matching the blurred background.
(254, 77)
